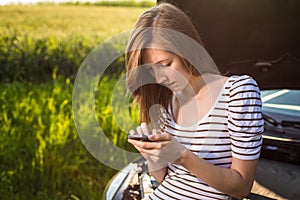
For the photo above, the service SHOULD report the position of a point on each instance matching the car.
(281, 112)
(259, 38)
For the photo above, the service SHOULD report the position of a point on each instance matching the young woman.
(204, 128)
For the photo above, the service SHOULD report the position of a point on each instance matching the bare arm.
(158, 172)
(236, 181)
(157, 156)
(157, 169)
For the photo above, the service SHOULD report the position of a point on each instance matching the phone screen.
(139, 137)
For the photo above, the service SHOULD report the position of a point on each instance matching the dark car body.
(260, 38)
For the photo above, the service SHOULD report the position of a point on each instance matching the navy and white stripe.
(232, 128)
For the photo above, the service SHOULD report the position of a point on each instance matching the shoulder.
(242, 81)
(241, 86)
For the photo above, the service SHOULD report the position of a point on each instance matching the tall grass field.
(41, 49)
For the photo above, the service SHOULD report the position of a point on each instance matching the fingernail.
(144, 128)
(139, 130)
(154, 131)
(151, 136)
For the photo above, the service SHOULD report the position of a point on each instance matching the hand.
(163, 148)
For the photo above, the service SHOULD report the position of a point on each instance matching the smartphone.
(138, 137)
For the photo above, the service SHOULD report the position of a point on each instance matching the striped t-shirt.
(232, 128)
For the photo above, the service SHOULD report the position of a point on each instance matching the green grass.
(41, 155)
(127, 3)
(61, 22)
(36, 40)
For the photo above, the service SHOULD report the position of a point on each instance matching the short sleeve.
(245, 123)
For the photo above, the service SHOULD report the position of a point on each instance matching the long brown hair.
(141, 84)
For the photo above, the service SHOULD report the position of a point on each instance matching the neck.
(196, 84)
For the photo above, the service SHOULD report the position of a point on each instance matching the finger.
(134, 142)
(160, 137)
(141, 144)
(144, 128)
(148, 152)
(139, 130)
(148, 145)
(154, 132)
(142, 151)
(132, 132)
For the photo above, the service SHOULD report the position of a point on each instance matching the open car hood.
(260, 38)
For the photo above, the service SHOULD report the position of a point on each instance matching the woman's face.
(167, 69)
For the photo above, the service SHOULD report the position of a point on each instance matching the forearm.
(229, 181)
(158, 171)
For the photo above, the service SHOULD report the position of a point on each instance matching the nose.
(159, 76)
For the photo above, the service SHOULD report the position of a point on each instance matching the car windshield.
(283, 101)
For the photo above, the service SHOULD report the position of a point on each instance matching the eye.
(168, 64)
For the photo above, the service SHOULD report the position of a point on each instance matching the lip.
(169, 84)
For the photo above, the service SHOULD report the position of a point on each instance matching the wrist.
(183, 157)
(154, 166)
